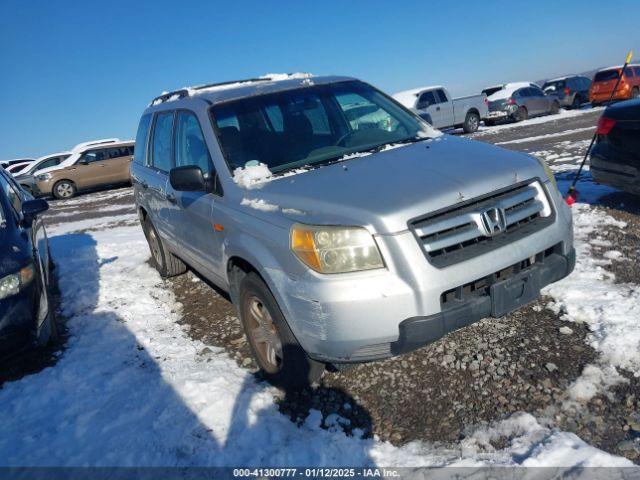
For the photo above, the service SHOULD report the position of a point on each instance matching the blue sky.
(73, 71)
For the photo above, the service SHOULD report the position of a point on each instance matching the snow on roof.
(508, 90)
(619, 67)
(90, 143)
(408, 97)
(59, 154)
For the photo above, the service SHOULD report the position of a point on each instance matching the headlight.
(43, 177)
(335, 249)
(548, 171)
(12, 284)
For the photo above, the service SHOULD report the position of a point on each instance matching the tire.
(489, 123)
(64, 189)
(521, 114)
(277, 352)
(471, 122)
(635, 92)
(167, 264)
(577, 102)
(555, 108)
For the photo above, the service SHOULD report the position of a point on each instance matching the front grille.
(462, 232)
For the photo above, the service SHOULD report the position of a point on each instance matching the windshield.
(312, 125)
(490, 91)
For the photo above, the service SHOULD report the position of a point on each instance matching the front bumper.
(503, 298)
(352, 318)
(623, 176)
(18, 320)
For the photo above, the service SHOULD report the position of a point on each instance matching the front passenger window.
(191, 148)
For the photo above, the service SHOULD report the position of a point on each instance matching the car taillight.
(511, 101)
(605, 125)
(567, 91)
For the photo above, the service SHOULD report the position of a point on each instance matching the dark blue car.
(26, 317)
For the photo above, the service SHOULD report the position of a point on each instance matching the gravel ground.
(471, 377)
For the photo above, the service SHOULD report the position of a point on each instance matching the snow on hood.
(408, 97)
(384, 190)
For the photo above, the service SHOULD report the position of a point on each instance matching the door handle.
(437, 109)
(171, 199)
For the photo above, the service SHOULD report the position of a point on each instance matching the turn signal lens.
(328, 249)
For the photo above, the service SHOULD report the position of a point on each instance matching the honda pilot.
(338, 240)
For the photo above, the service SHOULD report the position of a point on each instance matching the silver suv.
(341, 237)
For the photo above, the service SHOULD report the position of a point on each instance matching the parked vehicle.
(25, 263)
(27, 177)
(519, 101)
(17, 167)
(615, 157)
(572, 91)
(88, 167)
(8, 163)
(339, 245)
(496, 88)
(435, 105)
(605, 80)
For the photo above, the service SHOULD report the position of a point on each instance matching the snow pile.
(252, 176)
(259, 204)
(286, 76)
(532, 445)
(610, 310)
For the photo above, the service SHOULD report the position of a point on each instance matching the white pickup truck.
(435, 105)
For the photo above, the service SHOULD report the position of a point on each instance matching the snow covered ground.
(132, 388)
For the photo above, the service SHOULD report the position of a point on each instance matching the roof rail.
(182, 92)
(185, 92)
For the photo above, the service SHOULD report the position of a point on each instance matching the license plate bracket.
(514, 292)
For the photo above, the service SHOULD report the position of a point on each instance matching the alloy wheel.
(264, 335)
(64, 190)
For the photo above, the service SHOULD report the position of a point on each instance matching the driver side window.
(426, 100)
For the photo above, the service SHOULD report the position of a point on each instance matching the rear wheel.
(167, 264)
(489, 123)
(577, 101)
(471, 122)
(277, 352)
(64, 189)
(635, 93)
(521, 114)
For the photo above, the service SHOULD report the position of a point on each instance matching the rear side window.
(606, 75)
(140, 155)
(190, 148)
(52, 162)
(95, 155)
(161, 142)
(628, 72)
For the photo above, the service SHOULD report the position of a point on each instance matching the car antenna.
(572, 193)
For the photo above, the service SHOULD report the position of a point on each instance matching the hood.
(383, 191)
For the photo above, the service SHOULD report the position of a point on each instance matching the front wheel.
(471, 122)
(64, 189)
(278, 354)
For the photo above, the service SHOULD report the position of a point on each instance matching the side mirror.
(83, 161)
(32, 208)
(188, 179)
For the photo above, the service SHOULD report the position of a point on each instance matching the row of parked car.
(518, 101)
(87, 165)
